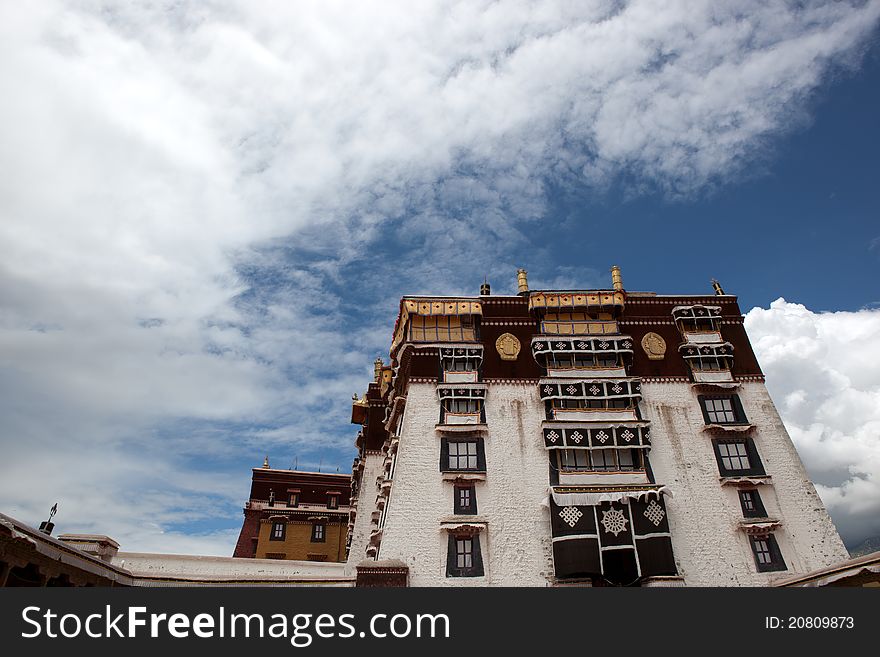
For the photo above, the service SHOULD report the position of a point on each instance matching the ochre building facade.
(295, 515)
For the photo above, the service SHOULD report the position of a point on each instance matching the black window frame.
(462, 364)
(452, 567)
(273, 530)
(293, 501)
(736, 404)
(444, 454)
(460, 509)
(333, 501)
(323, 537)
(751, 504)
(756, 467)
(769, 560)
(481, 408)
(603, 459)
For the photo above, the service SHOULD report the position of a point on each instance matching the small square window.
(722, 410)
(465, 500)
(279, 529)
(734, 456)
(462, 455)
(737, 457)
(750, 501)
(768, 558)
(318, 533)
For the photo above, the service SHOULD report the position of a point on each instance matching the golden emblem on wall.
(508, 346)
(654, 346)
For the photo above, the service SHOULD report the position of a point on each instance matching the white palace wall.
(704, 516)
(516, 543)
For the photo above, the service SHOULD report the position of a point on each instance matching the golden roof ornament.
(266, 462)
(377, 369)
(522, 281)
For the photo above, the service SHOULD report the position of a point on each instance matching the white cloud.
(156, 154)
(821, 370)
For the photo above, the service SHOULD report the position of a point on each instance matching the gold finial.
(522, 281)
(717, 287)
(266, 461)
(616, 280)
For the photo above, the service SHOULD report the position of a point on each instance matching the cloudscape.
(209, 212)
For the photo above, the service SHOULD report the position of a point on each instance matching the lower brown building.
(295, 515)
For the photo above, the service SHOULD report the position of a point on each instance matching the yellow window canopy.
(590, 299)
(435, 320)
(578, 324)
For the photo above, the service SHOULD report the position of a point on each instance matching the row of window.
(564, 361)
(279, 532)
(293, 500)
(599, 460)
(738, 456)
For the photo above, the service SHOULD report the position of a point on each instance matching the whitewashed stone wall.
(516, 546)
(704, 516)
(360, 535)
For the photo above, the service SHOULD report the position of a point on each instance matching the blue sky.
(209, 214)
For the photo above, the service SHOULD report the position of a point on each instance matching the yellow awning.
(430, 308)
(585, 299)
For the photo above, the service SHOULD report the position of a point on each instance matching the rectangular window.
(333, 502)
(737, 457)
(318, 533)
(465, 500)
(590, 404)
(562, 361)
(752, 507)
(768, 558)
(600, 460)
(464, 553)
(698, 325)
(278, 531)
(442, 328)
(709, 364)
(603, 459)
(576, 460)
(734, 456)
(626, 459)
(465, 454)
(294, 499)
(462, 405)
(578, 324)
(722, 410)
(461, 365)
(464, 558)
